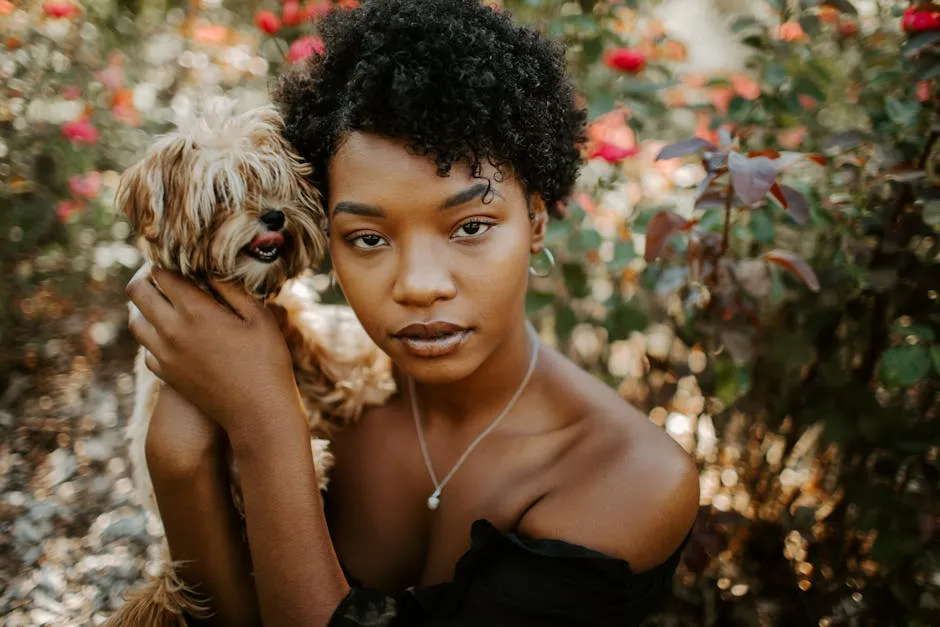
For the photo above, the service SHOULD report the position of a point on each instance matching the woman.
(502, 485)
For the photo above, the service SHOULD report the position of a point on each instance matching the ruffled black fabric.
(508, 581)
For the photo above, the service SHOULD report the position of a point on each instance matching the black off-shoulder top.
(505, 580)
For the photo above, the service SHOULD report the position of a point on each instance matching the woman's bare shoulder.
(627, 488)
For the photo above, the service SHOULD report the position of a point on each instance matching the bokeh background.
(767, 290)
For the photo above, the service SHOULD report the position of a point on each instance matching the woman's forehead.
(370, 168)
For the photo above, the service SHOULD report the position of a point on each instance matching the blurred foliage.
(767, 289)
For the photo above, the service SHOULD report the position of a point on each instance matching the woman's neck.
(477, 399)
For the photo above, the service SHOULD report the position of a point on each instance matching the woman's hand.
(227, 358)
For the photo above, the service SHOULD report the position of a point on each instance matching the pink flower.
(60, 9)
(318, 9)
(292, 14)
(267, 22)
(612, 153)
(81, 131)
(745, 86)
(628, 60)
(86, 186)
(923, 91)
(304, 47)
(65, 209)
(72, 92)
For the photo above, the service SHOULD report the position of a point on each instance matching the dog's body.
(226, 197)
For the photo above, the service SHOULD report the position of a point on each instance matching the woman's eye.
(367, 241)
(472, 229)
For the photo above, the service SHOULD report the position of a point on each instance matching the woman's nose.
(423, 277)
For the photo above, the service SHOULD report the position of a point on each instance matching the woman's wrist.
(259, 433)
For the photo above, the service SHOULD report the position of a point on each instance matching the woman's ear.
(538, 217)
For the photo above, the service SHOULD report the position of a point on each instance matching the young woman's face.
(436, 275)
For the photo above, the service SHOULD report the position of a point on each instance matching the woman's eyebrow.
(460, 198)
(467, 195)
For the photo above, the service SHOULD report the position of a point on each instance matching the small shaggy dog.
(225, 196)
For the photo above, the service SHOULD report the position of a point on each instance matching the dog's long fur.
(196, 200)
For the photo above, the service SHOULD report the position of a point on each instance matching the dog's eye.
(368, 241)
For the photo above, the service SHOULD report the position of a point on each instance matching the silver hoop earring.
(551, 265)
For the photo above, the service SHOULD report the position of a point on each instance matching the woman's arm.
(233, 364)
(298, 577)
(186, 459)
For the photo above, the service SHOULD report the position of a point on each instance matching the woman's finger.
(153, 365)
(147, 298)
(236, 297)
(142, 331)
(180, 291)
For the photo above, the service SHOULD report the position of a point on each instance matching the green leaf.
(904, 365)
(919, 42)
(593, 49)
(712, 220)
(576, 280)
(565, 321)
(805, 85)
(775, 74)
(731, 381)
(624, 253)
(585, 240)
(739, 108)
(921, 331)
(744, 23)
(623, 318)
(534, 301)
(904, 114)
(762, 227)
(935, 358)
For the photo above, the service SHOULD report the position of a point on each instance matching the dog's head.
(225, 196)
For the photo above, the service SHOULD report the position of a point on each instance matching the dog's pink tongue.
(270, 239)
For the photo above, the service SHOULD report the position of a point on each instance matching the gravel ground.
(71, 537)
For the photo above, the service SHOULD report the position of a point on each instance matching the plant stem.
(727, 230)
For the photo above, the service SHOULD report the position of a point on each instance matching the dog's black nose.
(273, 219)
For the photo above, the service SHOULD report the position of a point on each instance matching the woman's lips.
(435, 339)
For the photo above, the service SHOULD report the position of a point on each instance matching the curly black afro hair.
(454, 79)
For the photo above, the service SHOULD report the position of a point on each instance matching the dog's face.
(226, 197)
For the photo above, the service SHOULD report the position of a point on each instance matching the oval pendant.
(434, 502)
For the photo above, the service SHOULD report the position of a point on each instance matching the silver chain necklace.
(434, 501)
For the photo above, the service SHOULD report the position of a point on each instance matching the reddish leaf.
(770, 153)
(752, 178)
(777, 192)
(817, 158)
(685, 147)
(711, 200)
(787, 158)
(661, 227)
(794, 264)
(796, 205)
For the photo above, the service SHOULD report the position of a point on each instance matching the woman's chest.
(383, 532)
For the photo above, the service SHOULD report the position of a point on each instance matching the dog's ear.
(139, 196)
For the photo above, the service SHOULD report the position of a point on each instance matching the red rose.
(919, 21)
(267, 22)
(848, 28)
(612, 153)
(304, 47)
(292, 14)
(60, 9)
(625, 60)
(81, 131)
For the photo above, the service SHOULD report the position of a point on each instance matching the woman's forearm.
(298, 578)
(204, 532)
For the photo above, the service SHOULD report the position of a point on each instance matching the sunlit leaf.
(752, 178)
(624, 253)
(685, 147)
(795, 265)
(664, 225)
